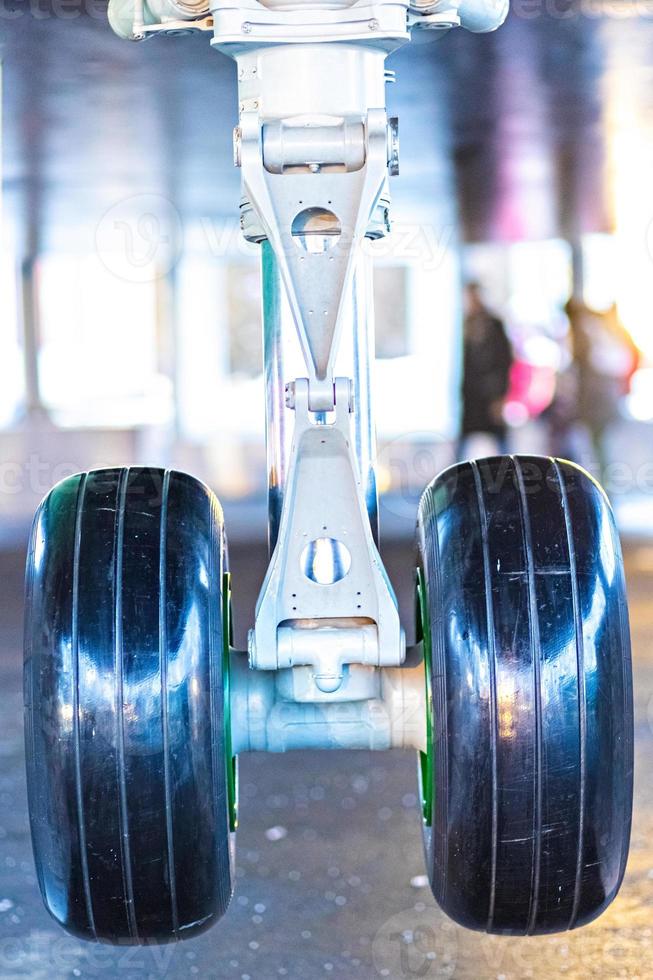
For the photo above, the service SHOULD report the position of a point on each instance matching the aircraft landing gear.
(136, 706)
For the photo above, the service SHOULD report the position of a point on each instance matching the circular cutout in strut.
(316, 230)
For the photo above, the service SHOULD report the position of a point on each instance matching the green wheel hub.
(426, 758)
(232, 760)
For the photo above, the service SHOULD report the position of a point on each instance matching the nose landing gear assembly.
(517, 696)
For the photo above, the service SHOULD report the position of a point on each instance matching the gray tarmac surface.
(330, 872)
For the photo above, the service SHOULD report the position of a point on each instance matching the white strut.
(315, 147)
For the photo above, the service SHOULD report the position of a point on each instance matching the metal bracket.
(237, 24)
(326, 573)
(170, 27)
(316, 275)
(242, 22)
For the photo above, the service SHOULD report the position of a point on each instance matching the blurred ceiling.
(513, 131)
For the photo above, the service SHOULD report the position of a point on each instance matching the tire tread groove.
(492, 654)
(163, 665)
(79, 797)
(123, 810)
(536, 647)
(582, 705)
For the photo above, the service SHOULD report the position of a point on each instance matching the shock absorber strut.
(316, 148)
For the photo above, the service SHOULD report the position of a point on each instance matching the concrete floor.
(330, 873)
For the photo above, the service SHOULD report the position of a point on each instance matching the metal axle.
(276, 711)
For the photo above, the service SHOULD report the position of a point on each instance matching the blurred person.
(604, 359)
(487, 362)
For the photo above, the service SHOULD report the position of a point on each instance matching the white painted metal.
(324, 500)
(359, 683)
(135, 20)
(354, 360)
(328, 649)
(292, 20)
(308, 144)
(239, 23)
(316, 282)
(315, 148)
(264, 719)
(314, 160)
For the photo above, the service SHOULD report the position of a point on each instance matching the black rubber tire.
(528, 657)
(125, 740)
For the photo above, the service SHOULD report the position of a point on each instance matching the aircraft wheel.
(527, 782)
(130, 775)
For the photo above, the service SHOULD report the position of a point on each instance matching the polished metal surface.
(338, 82)
(325, 561)
(324, 496)
(283, 363)
(279, 335)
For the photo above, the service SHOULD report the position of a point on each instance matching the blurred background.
(130, 304)
(130, 333)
